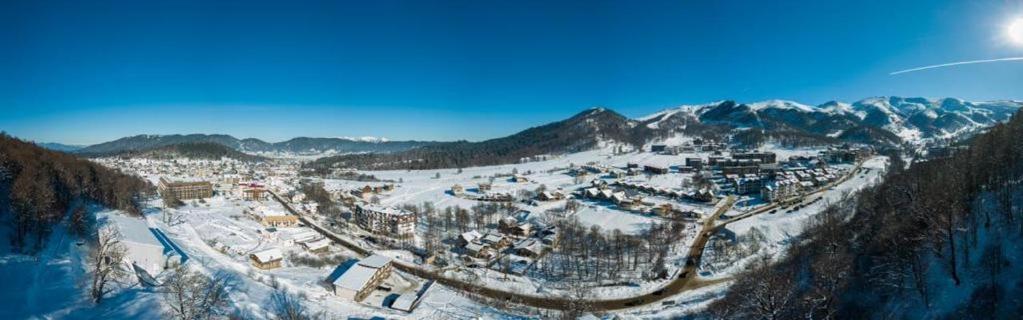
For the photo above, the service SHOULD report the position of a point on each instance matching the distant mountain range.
(881, 121)
(296, 146)
(59, 146)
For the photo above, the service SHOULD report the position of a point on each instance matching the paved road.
(685, 281)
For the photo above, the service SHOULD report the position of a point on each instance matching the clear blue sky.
(89, 71)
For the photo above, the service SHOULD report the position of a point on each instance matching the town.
(386, 240)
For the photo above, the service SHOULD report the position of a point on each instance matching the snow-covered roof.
(375, 261)
(134, 230)
(356, 277)
(318, 244)
(405, 302)
(269, 255)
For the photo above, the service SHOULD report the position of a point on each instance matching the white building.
(143, 248)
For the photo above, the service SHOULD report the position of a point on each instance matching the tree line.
(38, 188)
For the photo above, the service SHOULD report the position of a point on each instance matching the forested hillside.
(39, 186)
(190, 150)
(938, 240)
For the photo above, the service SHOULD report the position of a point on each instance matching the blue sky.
(85, 72)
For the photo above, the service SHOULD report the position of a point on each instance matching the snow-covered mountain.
(885, 120)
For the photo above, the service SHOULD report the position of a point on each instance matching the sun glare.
(1015, 31)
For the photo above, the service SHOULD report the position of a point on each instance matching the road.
(686, 280)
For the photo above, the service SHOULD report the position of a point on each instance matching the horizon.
(82, 74)
(387, 139)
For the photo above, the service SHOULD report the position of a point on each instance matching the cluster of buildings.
(792, 181)
(696, 145)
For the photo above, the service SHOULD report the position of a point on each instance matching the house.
(518, 178)
(524, 229)
(457, 190)
(267, 259)
(274, 218)
(355, 280)
(468, 237)
(495, 241)
(658, 148)
(530, 248)
(478, 250)
(317, 246)
(507, 225)
(551, 195)
(484, 187)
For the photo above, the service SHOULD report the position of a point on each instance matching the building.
(273, 218)
(764, 157)
(146, 247)
(655, 169)
(252, 192)
(186, 190)
(457, 190)
(267, 259)
(355, 280)
(317, 246)
(389, 221)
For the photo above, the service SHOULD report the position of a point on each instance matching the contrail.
(956, 64)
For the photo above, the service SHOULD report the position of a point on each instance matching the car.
(683, 274)
(773, 211)
(634, 303)
(658, 292)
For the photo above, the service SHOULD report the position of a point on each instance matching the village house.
(267, 259)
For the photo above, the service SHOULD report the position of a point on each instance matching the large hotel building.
(186, 190)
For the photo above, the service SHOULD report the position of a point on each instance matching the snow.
(781, 104)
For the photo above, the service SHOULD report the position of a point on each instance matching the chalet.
(507, 225)
(530, 248)
(495, 241)
(468, 237)
(478, 250)
(267, 259)
(518, 178)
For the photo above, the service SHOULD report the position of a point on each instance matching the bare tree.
(286, 306)
(191, 295)
(106, 260)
